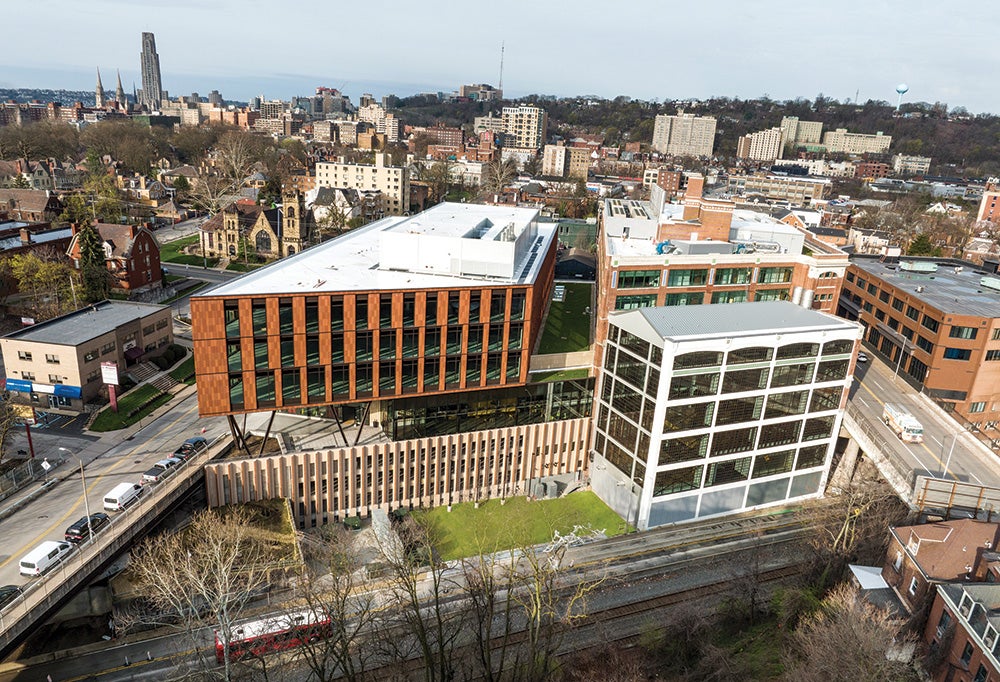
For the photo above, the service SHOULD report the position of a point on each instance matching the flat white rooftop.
(746, 226)
(449, 245)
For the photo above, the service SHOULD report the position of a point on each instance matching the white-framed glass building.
(716, 409)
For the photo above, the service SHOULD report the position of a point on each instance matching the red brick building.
(939, 321)
(705, 250)
(962, 627)
(131, 253)
(932, 553)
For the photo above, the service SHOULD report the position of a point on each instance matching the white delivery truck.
(904, 424)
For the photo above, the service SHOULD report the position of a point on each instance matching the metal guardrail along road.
(48, 592)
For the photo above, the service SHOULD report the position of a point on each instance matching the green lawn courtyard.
(567, 328)
(493, 527)
(172, 252)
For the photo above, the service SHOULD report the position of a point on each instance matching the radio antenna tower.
(500, 84)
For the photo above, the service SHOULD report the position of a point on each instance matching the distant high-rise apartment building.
(841, 141)
(764, 145)
(392, 181)
(797, 133)
(905, 164)
(152, 86)
(559, 161)
(684, 135)
(525, 126)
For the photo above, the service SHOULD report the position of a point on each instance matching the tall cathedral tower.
(99, 92)
(120, 94)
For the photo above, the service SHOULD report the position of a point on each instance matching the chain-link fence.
(20, 476)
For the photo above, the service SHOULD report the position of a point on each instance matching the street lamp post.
(947, 462)
(86, 502)
(899, 360)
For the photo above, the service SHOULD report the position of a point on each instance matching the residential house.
(131, 253)
(927, 554)
(30, 205)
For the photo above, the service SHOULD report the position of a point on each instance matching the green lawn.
(170, 252)
(240, 266)
(567, 328)
(559, 375)
(184, 372)
(465, 530)
(108, 420)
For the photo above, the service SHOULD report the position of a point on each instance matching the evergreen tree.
(96, 284)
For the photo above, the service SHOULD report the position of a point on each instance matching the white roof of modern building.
(746, 226)
(692, 322)
(85, 324)
(441, 247)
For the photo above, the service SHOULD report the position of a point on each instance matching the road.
(108, 460)
(947, 451)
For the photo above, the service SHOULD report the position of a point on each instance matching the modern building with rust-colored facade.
(444, 301)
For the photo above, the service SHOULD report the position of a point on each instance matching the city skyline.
(794, 51)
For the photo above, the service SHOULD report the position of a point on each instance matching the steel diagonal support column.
(361, 422)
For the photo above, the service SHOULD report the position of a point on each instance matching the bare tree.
(212, 191)
(439, 180)
(849, 639)
(497, 175)
(852, 526)
(333, 583)
(237, 151)
(549, 611)
(205, 575)
(491, 612)
(8, 424)
(421, 623)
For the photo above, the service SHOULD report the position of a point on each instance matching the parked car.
(160, 470)
(8, 593)
(121, 496)
(190, 447)
(44, 557)
(81, 529)
(862, 357)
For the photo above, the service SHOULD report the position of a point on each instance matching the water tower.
(901, 89)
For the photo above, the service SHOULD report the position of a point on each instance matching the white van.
(121, 496)
(44, 557)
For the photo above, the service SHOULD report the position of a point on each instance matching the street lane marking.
(924, 445)
(878, 385)
(935, 440)
(39, 538)
(864, 401)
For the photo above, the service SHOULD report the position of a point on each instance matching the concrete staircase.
(143, 371)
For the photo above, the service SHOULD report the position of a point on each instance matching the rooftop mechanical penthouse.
(447, 300)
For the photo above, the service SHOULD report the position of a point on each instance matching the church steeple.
(120, 93)
(99, 92)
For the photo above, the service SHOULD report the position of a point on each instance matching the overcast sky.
(644, 48)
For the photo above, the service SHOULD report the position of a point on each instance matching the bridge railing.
(47, 592)
(873, 443)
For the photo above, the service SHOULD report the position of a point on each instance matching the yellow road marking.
(72, 510)
(921, 444)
